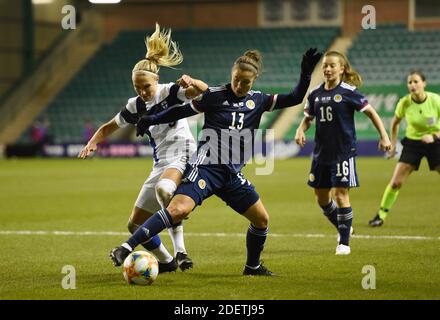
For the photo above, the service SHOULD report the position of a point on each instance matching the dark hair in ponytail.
(251, 61)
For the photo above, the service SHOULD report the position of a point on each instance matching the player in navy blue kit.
(333, 104)
(232, 114)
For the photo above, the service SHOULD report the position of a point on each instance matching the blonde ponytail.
(350, 75)
(161, 51)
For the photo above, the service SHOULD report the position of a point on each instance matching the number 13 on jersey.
(240, 121)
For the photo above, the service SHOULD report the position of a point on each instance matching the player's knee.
(178, 211)
(263, 222)
(323, 201)
(341, 198)
(164, 191)
(397, 184)
(322, 198)
(132, 227)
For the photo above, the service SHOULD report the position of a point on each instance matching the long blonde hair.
(161, 51)
(350, 75)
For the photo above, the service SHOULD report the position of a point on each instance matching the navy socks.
(345, 219)
(331, 212)
(255, 239)
(150, 228)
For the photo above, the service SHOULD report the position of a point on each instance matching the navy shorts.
(337, 175)
(232, 188)
(413, 152)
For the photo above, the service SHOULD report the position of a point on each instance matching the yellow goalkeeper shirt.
(421, 118)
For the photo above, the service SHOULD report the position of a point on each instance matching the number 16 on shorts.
(345, 174)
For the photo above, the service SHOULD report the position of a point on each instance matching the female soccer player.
(333, 104)
(172, 144)
(232, 112)
(421, 110)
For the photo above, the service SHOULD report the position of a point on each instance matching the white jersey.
(169, 141)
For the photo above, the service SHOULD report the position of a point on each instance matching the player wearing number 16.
(230, 111)
(333, 104)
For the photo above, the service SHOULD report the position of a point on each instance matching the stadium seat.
(399, 52)
(101, 88)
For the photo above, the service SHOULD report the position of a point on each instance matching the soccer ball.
(140, 267)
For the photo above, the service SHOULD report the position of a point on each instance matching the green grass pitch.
(97, 195)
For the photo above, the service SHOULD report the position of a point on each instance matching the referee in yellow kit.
(421, 110)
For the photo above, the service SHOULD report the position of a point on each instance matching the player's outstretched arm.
(384, 143)
(166, 116)
(300, 137)
(296, 96)
(193, 87)
(100, 135)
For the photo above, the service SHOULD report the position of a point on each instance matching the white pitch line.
(207, 234)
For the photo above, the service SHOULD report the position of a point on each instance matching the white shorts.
(146, 199)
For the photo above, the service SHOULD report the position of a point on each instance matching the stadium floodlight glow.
(104, 1)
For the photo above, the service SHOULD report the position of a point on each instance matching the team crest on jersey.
(311, 177)
(337, 98)
(250, 104)
(202, 184)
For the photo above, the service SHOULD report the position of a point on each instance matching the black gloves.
(142, 125)
(309, 61)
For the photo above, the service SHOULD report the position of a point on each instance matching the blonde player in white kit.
(172, 143)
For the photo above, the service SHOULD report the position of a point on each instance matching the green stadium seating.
(101, 88)
(385, 56)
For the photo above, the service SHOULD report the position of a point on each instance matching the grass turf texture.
(98, 194)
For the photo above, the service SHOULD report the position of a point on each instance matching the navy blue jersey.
(333, 110)
(229, 128)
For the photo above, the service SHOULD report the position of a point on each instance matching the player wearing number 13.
(333, 105)
(231, 109)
